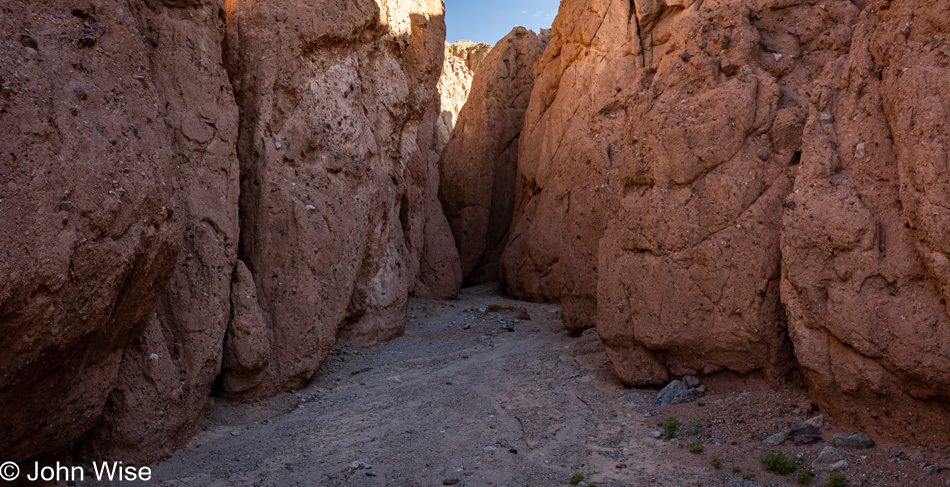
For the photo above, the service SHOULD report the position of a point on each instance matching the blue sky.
(490, 20)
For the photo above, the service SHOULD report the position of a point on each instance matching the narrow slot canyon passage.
(335, 243)
(470, 394)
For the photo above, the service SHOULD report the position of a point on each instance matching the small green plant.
(591, 485)
(670, 425)
(736, 469)
(748, 476)
(716, 462)
(837, 480)
(804, 476)
(778, 462)
(696, 446)
(577, 478)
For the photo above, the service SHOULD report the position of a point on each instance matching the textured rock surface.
(479, 163)
(656, 153)
(168, 373)
(125, 150)
(340, 220)
(867, 230)
(472, 53)
(88, 219)
(454, 86)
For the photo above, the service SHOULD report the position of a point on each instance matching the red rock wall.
(90, 221)
(479, 163)
(742, 189)
(147, 144)
(867, 229)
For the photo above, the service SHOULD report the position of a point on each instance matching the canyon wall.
(479, 163)
(472, 53)
(200, 197)
(866, 239)
(665, 194)
(454, 86)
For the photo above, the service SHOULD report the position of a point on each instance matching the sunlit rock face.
(454, 86)
(200, 197)
(339, 217)
(739, 190)
(472, 53)
(479, 163)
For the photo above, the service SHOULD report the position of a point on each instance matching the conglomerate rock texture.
(199, 197)
(665, 194)
(89, 217)
(866, 238)
(479, 163)
(338, 207)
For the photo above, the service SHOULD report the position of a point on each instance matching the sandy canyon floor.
(477, 396)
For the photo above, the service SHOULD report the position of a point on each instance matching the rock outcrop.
(167, 374)
(866, 235)
(143, 144)
(339, 220)
(665, 193)
(454, 86)
(479, 163)
(89, 219)
(472, 53)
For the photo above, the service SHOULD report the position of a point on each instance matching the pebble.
(860, 151)
(654, 434)
(235, 433)
(776, 439)
(370, 474)
(933, 469)
(826, 117)
(450, 481)
(86, 40)
(28, 41)
(763, 154)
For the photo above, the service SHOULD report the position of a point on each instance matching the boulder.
(831, 459)
(479, 162)
(680, 391)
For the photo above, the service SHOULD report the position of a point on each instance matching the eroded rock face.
(479, 163)
(657, 149)
(167, 374)
(340, 221)
(472, 53)
(89, 227)
(127, 152)
(454, 86)
(867, 229)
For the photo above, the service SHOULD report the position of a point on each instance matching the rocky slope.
(143, 145)
(479, 163)
(472, 53)
(664, 193)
